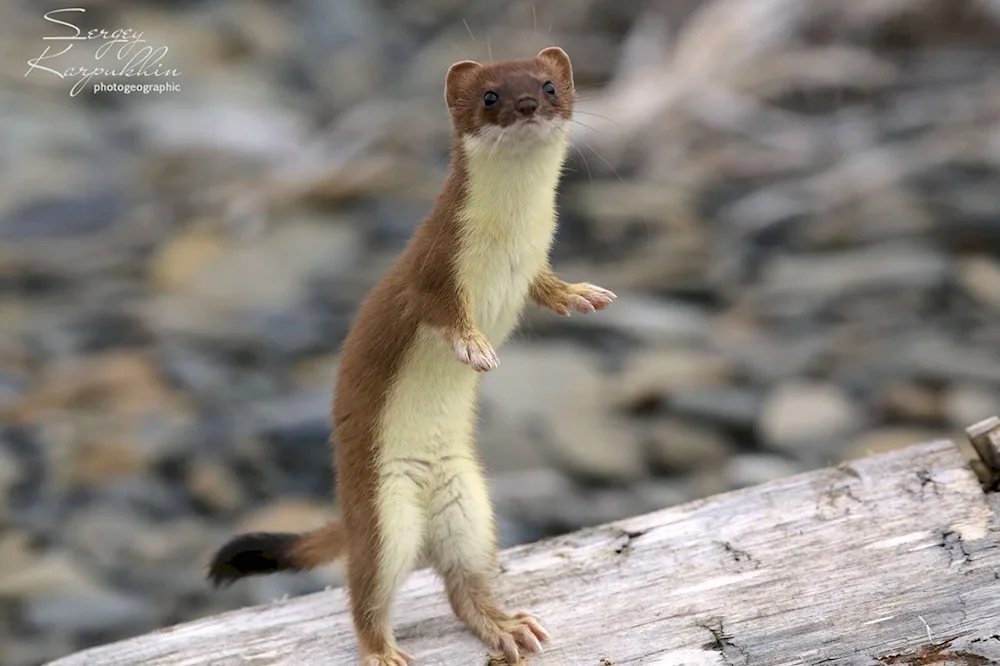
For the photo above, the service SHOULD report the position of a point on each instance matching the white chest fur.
(509, 221)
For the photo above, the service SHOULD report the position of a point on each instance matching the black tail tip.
(251, 554)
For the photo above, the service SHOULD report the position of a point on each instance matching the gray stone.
(734, 407)
(215, 485)
(801, 415)
(595, 507)
(513, 532)
(12, 471)
(655, 374)
(682, 446)
(49, 574)
(934, 355)
(656, 494)
(296, 331)
(525, 393)
(273, 270)
(751, 469)
(768, 356)
(150, 496)
(195, 370)
(96, 330)
(970, 402)
(90, 611)
(13, 385)
(27, 651)
(883, 440)
(297, 431)
(648, 319)
(60, 217)
(181, 544)
(900, 265)
(911, 401)
(106, 534)
(525, 490)
(267, 132)
(980, 277)
(592, 444)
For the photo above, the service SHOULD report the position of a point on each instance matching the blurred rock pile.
(796, 201)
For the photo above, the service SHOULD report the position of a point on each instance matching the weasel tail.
(411, 487)
(268, 552)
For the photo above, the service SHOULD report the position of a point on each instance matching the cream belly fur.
(431, 483)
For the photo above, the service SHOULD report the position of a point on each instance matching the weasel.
(411, 485)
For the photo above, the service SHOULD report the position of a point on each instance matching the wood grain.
(891, 559)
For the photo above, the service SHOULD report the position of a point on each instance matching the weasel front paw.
(586, 298)
(476, 351)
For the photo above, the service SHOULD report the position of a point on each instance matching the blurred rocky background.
(796, 201)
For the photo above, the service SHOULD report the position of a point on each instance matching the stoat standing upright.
(409, 479)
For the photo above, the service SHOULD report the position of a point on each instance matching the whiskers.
(556, 127)
(496, 143)
(573, 141)
(596, 115)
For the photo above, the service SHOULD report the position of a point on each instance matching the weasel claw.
(535, 624)
(399, 658)
(523, 634)
(578, 303)
(588, 297)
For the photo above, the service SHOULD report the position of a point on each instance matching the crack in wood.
(833, 495)
(953, 543)
(935, 654)
(721, 642)
(849, 470)
(925, 479)
(739, 555)
(629, 536)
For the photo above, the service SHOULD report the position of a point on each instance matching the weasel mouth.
(533, 124)
(522, 133)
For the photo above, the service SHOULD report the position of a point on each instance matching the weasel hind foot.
(395, 658)
(587, 298)
(476, 352)
(519, 634)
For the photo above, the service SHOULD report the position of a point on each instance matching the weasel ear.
(458, 74)
(556, 57)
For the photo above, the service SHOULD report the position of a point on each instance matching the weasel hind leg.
(381, 556)
(462, 549)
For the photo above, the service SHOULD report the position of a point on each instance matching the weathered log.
(891, 559)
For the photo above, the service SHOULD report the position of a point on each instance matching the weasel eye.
(548, 88)
(490, 98)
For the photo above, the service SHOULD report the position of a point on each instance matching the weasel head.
(513, 103)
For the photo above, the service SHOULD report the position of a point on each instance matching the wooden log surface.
(892, 559)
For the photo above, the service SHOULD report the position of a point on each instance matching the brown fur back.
(419, 286)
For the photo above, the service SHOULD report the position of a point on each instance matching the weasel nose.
(527, 106)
